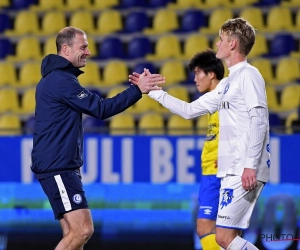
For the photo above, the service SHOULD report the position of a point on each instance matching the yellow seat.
(29, 75)
(53, 22)
(72, 5)
(287, 70)
(164, 20)
(117, 90)
(265, 68)
(167, 46)
(216, 20)
(173, 71)
(8, 74)
(146, 104)
(109, 21)
(27, 48)
(202, 124)
(28, 102)
(151, 124)
(185, 4)
(83, 20)
(179, 92)
(255, 16)
(215, 4)
(279, 19)
(290, 3)
(10, 124)
(25, 22)
(297, 21)
(194, 44)
(4, 3)
(104, 4)
(91, 76)
(49, 46)
(260, 46)
(273, 104)
(242, 3)
(176, 125)
(92, 46)
(289, 122)
(290, 98)
(9, 100)
(115, 72)
(122, 124)
(46, 5)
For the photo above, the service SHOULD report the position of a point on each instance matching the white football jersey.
(233, 97)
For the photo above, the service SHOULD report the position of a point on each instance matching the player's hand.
(147, 81)
(249, 179)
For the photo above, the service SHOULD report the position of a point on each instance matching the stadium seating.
(279, 19)
(122, 124)
(192, 20)
(29, 75)
(6, 48)
(158, 3)
(145, 104)
(282, 44)
(46, 5)
(94, 125)
(287, 70)
(21, 4)
(273, 104)
(91, 76)
(136, 22)
(25, 22)
(194, 44)
(4, 3)
(109, 21)
(104, 4)
(83, 20)
(126, 4)
(27, 106)
(185, 4)
(139, 47)
(10, 124)
(174, 72)
(179, 92)
(115, 72)
(260, 47)
(290, 98)
(9, 100)
(215, 4)
(52, 22)
(151, 124)
(111, 48)
(291, 3)
(164, 20)
(8, 74)
(176, 125)
(23, 53)
(166, 47)
(255, 16)
(217, 17)
(264, 66)
(4, 22)
(75, 5)
(139, 67)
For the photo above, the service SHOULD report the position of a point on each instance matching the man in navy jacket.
(58, 136)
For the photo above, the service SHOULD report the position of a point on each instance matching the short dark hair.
(208, 62)
(66, 36)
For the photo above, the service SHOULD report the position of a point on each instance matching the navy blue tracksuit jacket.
(60, 102)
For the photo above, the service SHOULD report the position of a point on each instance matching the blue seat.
(136, 22)
(158, 3)
(267, 3)
(4, 22)
(21, 4)
(139, 67)
(92, 125)
(6, 48)
(132, 3)
(139, 47)
(192, 20)
(282, 45)
(111, 47)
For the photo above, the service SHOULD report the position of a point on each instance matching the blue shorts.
(65, 193)
(208, 197)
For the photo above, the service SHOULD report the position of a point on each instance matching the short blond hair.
(241, 30)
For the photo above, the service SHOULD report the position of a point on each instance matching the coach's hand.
(147, 81)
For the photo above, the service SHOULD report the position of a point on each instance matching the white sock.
(240, 244)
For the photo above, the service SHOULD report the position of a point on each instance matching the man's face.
(203, 81)
(78, 51)
(223, 47)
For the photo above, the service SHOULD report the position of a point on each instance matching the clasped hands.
(147, 81)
